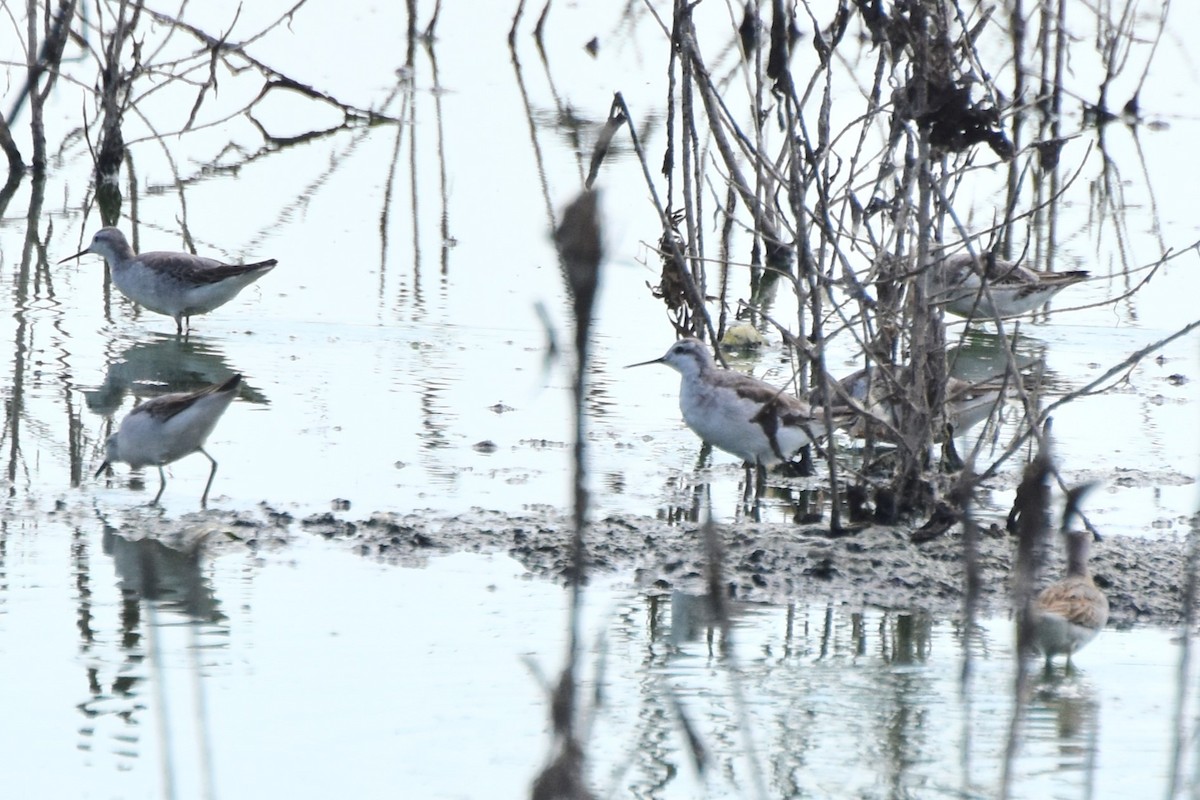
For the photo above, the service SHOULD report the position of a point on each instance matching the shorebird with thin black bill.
(1068, 614)
(985, 287)
(179, 285)
(167, 428)
(737, 413)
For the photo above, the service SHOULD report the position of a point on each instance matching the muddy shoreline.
(774, 563)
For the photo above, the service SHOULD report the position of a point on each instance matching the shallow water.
(396, 360)
(301, 670)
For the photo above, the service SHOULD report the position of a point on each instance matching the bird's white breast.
(722, 418)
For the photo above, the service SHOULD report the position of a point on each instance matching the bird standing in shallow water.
(178, 285)
(1068, 614)
(967, 404)
(739, 414)
(167, 428)
(1011, 289)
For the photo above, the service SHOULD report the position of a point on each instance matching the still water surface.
(302, 671)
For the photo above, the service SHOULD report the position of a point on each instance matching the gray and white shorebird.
(178, 285)
(1012, 289)
(967, 403)
(167, 428)
(737, 413)
(1068, 614)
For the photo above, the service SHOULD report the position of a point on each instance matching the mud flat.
(769, 563)
(775, 563)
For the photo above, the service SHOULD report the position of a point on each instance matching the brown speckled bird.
(1068, 614)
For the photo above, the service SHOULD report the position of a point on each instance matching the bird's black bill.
(77, 255)
(644, 363)
(103, 467)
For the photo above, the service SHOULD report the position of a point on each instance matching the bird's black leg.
(212, 474)
(760, 490)
(162, 484)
